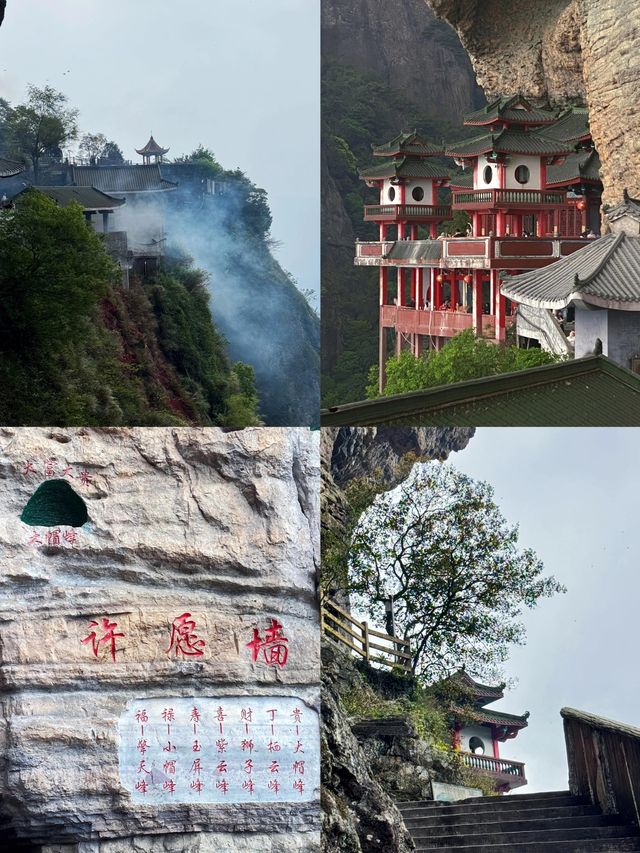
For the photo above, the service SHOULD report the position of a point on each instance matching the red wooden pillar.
(433, 231)
(496, 746)
(384, 285)
(477, 302)
(401, 301)
(501, 308)
(382, 358)
(415, 287)
(383, 231)
(540, 229)
(436, 293)
(414, 231)
(476, 224)
(453, 290)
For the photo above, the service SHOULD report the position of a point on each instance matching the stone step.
(489, 804)
(453, 841)
(449, 818)
(618, 845)
(522, 798)
(539, 824)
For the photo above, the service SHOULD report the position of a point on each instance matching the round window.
(476, 746)
(523, 174)
(417, 193)
(487, 174)
(391, 194)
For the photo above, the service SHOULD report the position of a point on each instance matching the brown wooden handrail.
(340, 625)
(604, 762)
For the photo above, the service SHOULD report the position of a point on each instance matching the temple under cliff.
(529, 182)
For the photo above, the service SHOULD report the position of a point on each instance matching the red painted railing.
(510, 198)
(407, 212)
(443, 324)
(497, 766)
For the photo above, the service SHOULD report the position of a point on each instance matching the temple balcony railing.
(511, 772)
(407, 212)
(508, 199)
(517, 253)
(442, 324)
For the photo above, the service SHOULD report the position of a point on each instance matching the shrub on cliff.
(463, 357)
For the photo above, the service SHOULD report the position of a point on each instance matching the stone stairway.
(519, 823)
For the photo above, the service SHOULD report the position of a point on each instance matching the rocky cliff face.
(563, 52)
(362, 452)
(221, 527)
(403, 45)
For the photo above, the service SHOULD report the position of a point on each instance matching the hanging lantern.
(467, 278)
(582, 205)
(440, 278)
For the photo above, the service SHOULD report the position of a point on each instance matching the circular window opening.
(391, 194)
(476, 746)
(53, 504)
(523, 174)
(417, 193)
(487, 174)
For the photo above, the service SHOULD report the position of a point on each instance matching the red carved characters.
(274, 648)
(184, 639)
(108, 638)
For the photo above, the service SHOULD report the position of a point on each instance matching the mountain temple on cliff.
(529, 183)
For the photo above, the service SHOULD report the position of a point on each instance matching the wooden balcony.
(407, 212)
(508, 253)
(442, 324)
(507, 774)
(525, 200)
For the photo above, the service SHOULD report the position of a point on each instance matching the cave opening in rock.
(53, 504)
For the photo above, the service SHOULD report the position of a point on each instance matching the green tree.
(92, 146)
(242, 402)
(43, 125)
(463, 357)
(202, 156)
(441, 548)
(112, 153)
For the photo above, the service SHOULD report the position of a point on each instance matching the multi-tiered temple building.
(530, 185)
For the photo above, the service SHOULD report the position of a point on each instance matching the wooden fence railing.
(373, 646)
(604, 762)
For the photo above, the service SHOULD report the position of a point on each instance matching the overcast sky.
(240, 77)
(574, 493)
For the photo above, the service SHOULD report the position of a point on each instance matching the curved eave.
(573, 296)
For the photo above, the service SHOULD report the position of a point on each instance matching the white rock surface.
(220, 525)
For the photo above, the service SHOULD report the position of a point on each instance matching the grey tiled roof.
(509, 141)
(122, 179)
(416, 250)
(628, 207)
(504, 109)
(89, 197)
(581, 166)
(408, 143)
(572, 125)
(465, 180)
(404, 167)
(9, 168)
(606, 274)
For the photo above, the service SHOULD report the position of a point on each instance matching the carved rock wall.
(563, 52)
(222, 525)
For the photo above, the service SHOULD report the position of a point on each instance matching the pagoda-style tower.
(152, 150)
(520, 221)
(408, 185)
(509, 162)
(478, 732)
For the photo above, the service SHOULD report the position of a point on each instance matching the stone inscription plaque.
(229, 749)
